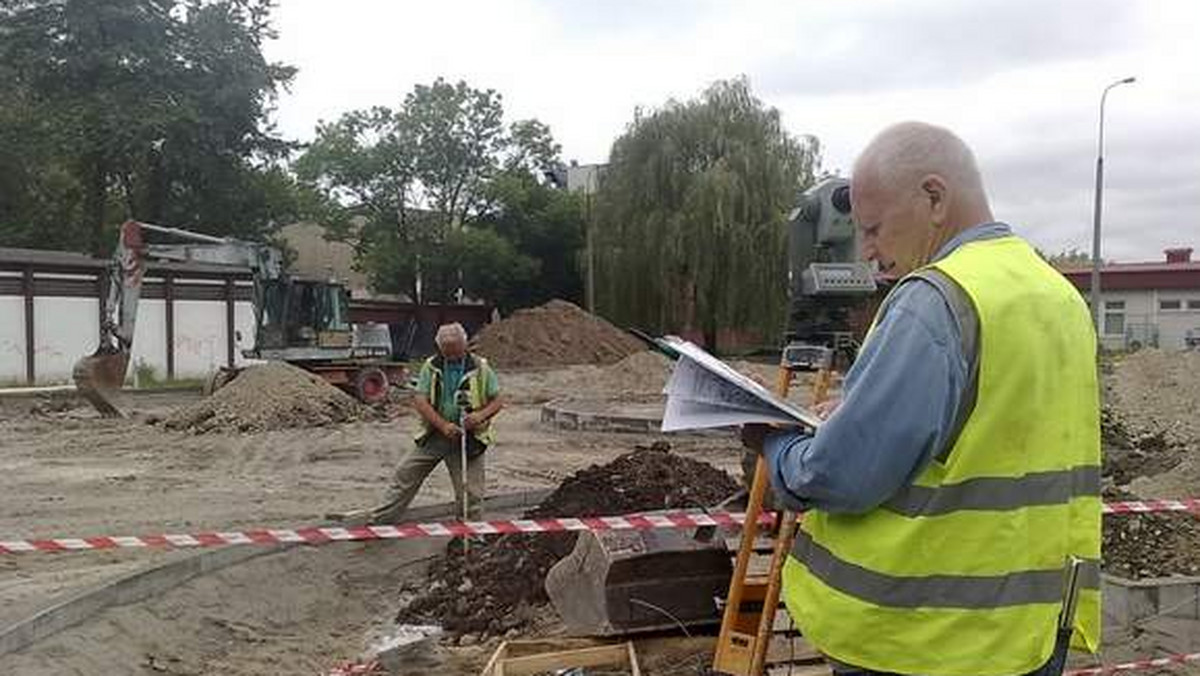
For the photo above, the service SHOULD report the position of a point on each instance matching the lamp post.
(1097, 312)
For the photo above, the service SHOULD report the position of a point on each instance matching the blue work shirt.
(900, 405)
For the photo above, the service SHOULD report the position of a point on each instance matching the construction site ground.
(66, 472)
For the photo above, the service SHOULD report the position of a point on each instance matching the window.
(1114, 323)
(1170, 305)
(1194, 304)
(1114, 305)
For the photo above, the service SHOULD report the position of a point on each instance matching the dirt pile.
(1138, 546)
(497, 587)
(1161, 391)
(1129, 455)
(555, 334)
(642, 371)
(1152, 426)
(268, 397)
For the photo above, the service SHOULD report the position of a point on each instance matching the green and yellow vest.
(962, 573)
(474, 382)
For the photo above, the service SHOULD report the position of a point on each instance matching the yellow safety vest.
(962, 573)
(474, 380)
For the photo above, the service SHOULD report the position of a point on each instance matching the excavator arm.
(100, 374)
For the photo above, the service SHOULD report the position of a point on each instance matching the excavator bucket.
(98, 377)
(621, 582)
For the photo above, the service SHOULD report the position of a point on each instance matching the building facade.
(1150, 304)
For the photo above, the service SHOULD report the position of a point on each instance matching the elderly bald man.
(958, 478)
(446, 378)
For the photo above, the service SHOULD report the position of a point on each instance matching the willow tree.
(691, 216)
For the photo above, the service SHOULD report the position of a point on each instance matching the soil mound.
(643, 371)
(1149, 545)
(555, 334)
(1161, 391)
(268, 397)
(497, 586)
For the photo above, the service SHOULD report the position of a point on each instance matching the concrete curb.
(565, 414)
(149, 582)
(1128, 602)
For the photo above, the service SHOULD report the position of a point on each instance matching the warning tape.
(1140, 665)
(373, 667)
(1147, 506)
(321, 535)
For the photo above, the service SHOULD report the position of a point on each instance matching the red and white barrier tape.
(1140, 665)
(371, 668)
(357, 669)
(322, 535)
(1147, 506)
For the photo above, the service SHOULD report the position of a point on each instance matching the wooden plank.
(497, 657)
(583, 657)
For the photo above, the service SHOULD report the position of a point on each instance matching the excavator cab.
(302, 315)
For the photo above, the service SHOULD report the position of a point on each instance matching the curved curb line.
(560, 414)
(149, 582)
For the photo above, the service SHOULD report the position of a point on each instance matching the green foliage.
(437, 195)
(1071, 258)
(147, 109)
(691, 230)
(545, 224)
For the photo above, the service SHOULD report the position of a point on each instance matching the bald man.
(448, 379)
(958, 479)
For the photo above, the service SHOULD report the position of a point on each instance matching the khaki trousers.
(416, 465)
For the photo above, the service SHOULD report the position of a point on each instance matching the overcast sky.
(1020, 80)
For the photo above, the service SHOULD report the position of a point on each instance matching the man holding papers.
(959, 476)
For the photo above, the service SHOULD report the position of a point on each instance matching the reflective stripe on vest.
(962, 572)
(938, 591)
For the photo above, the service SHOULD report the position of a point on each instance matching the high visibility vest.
(474, 381)
(962, 573)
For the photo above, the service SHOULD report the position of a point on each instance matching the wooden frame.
(503, 663)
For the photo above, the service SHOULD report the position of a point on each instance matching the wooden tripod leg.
(724, 659)
(784, 537)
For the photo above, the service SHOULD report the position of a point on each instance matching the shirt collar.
(974, 233)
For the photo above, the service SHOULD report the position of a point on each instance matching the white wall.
(12, 340)
(1173, 324)
(64, 329)
(199, 337)
(1143, 314)
(150, 337)
(243, 320)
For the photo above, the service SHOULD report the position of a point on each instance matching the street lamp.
(1097, 313)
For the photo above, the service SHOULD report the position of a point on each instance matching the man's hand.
(753, 435)
(827, 407)
(473, 421)
(450, 430)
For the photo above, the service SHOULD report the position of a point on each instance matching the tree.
(691, 227)
(153, 109)
(546, 225)
(1071, 258)
(437, 195)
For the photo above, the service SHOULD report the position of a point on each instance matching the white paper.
(705, 392)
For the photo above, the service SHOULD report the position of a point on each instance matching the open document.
(704, 391)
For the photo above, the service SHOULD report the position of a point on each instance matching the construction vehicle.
(831, 286)
(303, 322)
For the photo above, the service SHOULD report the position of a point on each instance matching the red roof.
(1138, 276)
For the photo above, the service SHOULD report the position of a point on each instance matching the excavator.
(303, 322)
